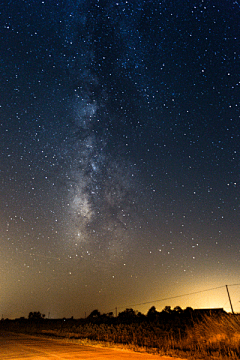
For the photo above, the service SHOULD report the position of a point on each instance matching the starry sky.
(119, 155)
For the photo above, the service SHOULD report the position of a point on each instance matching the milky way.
(103, 185)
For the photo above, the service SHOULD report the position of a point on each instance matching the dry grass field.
(173, 333)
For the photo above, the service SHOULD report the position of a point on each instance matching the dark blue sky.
(119, 125)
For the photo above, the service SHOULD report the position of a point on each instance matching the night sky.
(119, 155)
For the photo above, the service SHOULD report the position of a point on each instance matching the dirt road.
(22, 347)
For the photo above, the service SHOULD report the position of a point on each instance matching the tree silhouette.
(94, 314)
(167, 309)
(128, 316)
(152, 313)
(36, 315)
(178, 309)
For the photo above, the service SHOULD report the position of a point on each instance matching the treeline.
(167, 318)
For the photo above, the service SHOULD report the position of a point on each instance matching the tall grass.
(214, 337)
(208, 337)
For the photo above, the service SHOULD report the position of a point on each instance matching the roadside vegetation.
(188, 333)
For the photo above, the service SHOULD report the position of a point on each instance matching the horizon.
(148, 305)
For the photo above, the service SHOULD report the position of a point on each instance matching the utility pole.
(229, 299)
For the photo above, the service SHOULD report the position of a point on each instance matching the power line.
(234, 285)
(178, 296)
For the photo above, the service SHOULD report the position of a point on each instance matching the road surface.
(22, 347)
